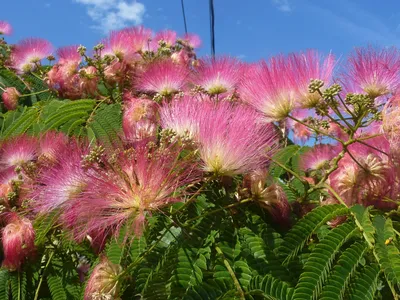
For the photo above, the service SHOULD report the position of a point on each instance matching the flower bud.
(18, 242)
(103, 282)
(10, 98)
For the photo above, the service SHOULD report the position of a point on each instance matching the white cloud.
(283, 5)
(114, 14)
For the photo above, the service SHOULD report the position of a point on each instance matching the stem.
(41, 278)
(231, 272)
(35, 93)
(191, 199)
(19, 285)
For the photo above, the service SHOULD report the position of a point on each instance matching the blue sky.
(251, 29)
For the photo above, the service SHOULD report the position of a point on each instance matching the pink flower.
(115, 72)
(375, 71)
(182, 116)
(103, 282)
(10, 98)
(181, 57)
(142, 181)
(306, 66)
(28, 52)
(62, 183)
(119, 43)
(364, 177)
(233, 140)
(268, 88)
(88, 80)
(17, 151)
(51, 145)
(69, 54)
(18, 239)
(139, 37)
(318, 157)
(300, 132)
(140, 120)
(218, 75)
(163, 77)
(5, 28)
(166, 36)
(192, 40)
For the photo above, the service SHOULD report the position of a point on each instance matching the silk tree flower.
(18, 239)
(218, 75)
(364, 177)
(141, 181)
(59, 185)
(140, 37)
(140, 120)
(300, 132)
(375, 71)
(51, 145)
(318, 157)
(308, 65)
(5, 28)
(192, 40)
(267, 88)
(168, 37)
(29, 52)
(103, 282)
(163, 77)
(272, 197)
(233, 139)
(119, 44)
(10, 98)
(69, 54)
(17, 151)
(88, 80)
(182, 116)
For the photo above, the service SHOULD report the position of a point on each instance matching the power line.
(212, 31)
(184, 16)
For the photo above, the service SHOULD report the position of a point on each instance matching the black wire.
(212, 31)
(184, 16)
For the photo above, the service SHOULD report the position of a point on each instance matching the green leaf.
(296, 238)
(56, 287)
(362, 216)
(365, 284)
(319, 263)
(271, 288)
(4, 284)
(284, 157)
(343, 271)
(18, 122)
(387, 253)
(18, 285)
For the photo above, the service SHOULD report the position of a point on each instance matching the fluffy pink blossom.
(308, 65)
(119, 43)
(51, 145)
(88, 80)
(375, 71)
(69, 54)
(267, 88)
(18, 239)
(141, 181)
(192, 40)
(139, 37)
(364, 177)
(163, 77)
(28, 52)
(5, 28)
(166, 36)
(218, 75)
(300, 132)
(318, 157)
(233, 140)
(180, 57)
(140, 120)
(103, 282)
(63, 182)
(10, 98)
(17, 151)
(182, 116)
